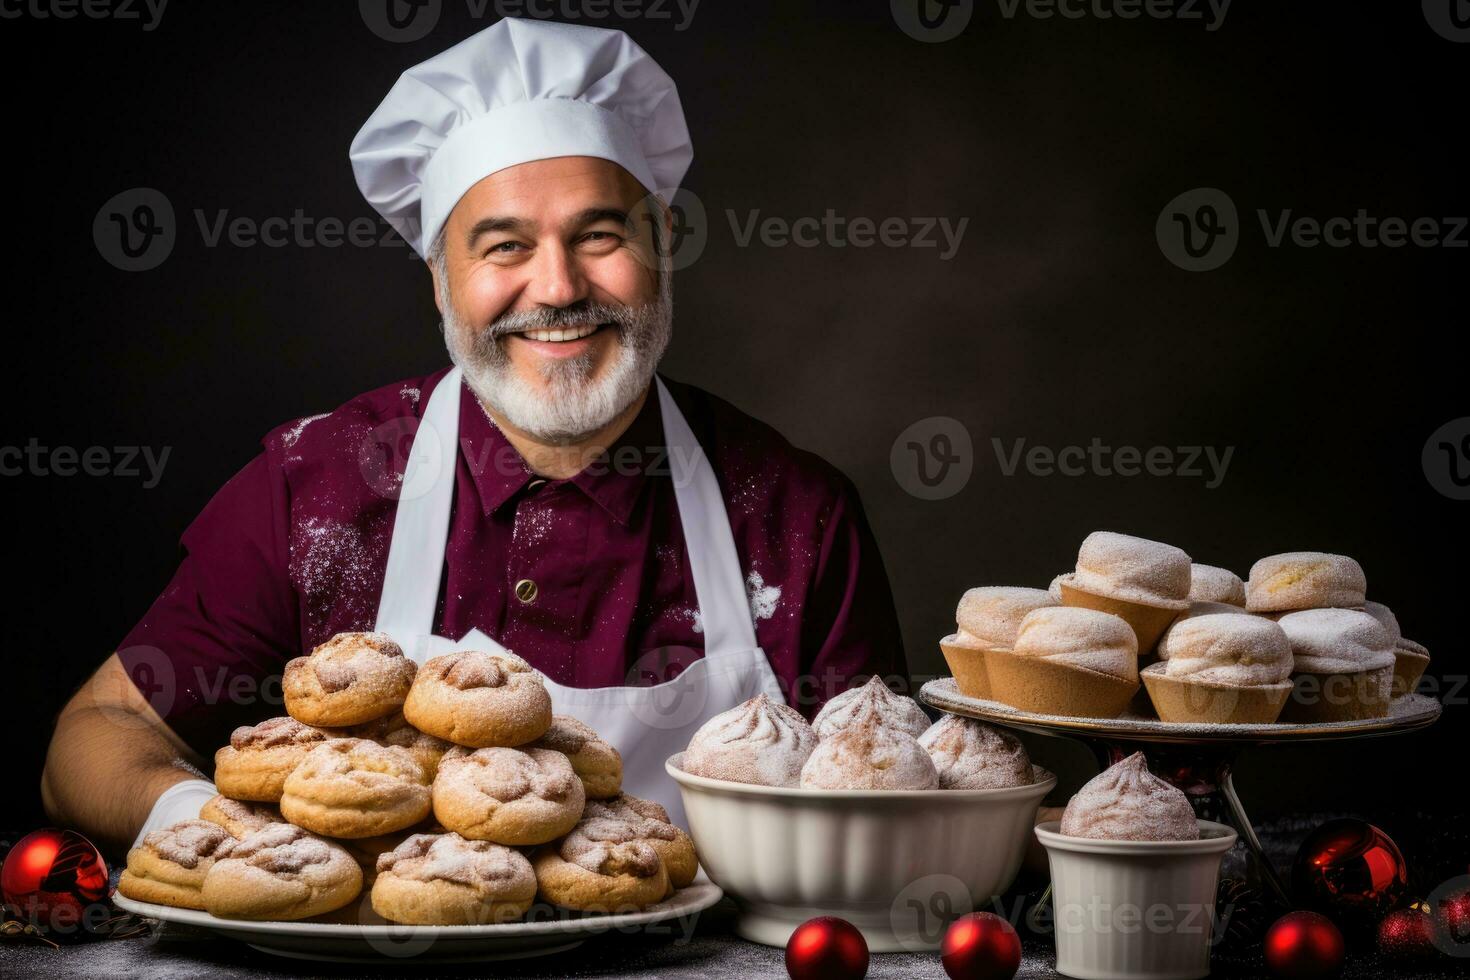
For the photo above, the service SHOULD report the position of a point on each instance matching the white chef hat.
(518, 91)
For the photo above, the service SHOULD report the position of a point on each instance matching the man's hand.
(111, 757)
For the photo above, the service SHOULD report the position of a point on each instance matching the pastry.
(652, 823)
(1127, 802)
(510, 796)
(239, 817)
(394, 729)
(1221, 668)
(987, 617)
(1145, 582)
(894, 710)
(594, 760)
(350, 787)
(603, 865)
(169, 865)
(444, 880)
(1207, 583)
(280, 872)
(255, 764)
(868, 754)
(763, 742)
(366, 850)
(1305, 580)
(1343, 662)
(479, 699)
(972, 755)
(1068, 661)
(1410, 658)
(350, 679)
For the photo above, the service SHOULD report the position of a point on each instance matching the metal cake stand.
(1199, 759)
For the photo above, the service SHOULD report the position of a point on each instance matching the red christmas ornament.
(51, 876)
(1304, 946)
(1350, 869)
(827, 948)
(980, 946)
(1407, 934)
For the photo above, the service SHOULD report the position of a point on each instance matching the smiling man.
(658, 555)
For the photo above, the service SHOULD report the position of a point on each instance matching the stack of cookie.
(450, 794)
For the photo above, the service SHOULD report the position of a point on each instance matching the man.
(658, 555)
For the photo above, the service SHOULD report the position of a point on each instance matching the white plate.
(546, 930)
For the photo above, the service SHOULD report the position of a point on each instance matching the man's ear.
(434, 280)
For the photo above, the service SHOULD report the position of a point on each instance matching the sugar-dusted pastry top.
(1132, 569)
(760, 741)
(866, 753)
(1227, 648)
(507, 775)
(477, 864)
(1331, 641)
(895, 710)
(1210, 583)
(350, 658)
(1087, 638)
(993, 613)
(275, 732)
(1127, 802)
(609, 845)
(969, 754)
(188, 842)
(1386, 618)
(281, 848)
(1305, 580)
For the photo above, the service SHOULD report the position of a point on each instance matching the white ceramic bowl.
(898, 865)
(1134, 910)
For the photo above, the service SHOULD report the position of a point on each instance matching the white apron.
(646, 724)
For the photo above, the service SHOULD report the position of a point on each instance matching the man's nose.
(556, 277)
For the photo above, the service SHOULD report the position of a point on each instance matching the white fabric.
(518, 91)
(646, 724)
(181, 801)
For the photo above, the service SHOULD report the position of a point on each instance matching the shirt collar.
(613, 481)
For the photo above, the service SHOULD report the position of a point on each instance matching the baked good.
(510, 796)
(869, 754)
(481, 700)
(593, 759)
(1343, 663)
(239, 817)
(444, 879)
(350, 787)
(651, 822)
(760, 741)
(280, 872)
(1410, 658)
(894, 710)
(1068, 660)
(255, 764)
(1144, 582)
(1127, 802)
(1209, 583)
(987, 617)
(395, 729)
(350, 679)
(168, 866)
(1305, 580)
(969, 754)
(1221, 668)
(603, 865)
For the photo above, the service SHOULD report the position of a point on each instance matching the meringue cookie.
(1208, 583)
(993, 613)
(894, 710)
(1305, 580)
(869, 754)
(1127, 802)
(761, 741)
(971, 755)
(1081, 637)
(1227, 648)
(1337, 641)
(1132, 569)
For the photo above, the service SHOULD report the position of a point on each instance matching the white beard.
(573, 404)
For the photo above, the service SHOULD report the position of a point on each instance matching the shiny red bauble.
(1304, 946)
(1407, 935)
(827, 948)
(980, 946)
(51, 876)
(1350, 870)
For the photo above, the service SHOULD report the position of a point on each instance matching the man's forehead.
(547, 190)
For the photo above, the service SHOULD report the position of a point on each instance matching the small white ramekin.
(1134, 910)
(899, 865)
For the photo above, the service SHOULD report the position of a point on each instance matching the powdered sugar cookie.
(350, 787)
(596, 762)
(444, 880)
(761, 741)
(239, 817)
(255, 764)
(868, 754)
(280, 872)
(603, 865)
(510, 796)
(350, 679)
(479, 699)
(395, 729)
(972, 755)
(168, 867)
(893, 710)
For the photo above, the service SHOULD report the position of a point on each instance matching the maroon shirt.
(293, 549)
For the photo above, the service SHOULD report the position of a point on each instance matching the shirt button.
(526, 590)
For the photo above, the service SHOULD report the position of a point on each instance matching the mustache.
(579, 314)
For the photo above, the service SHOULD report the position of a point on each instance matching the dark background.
(1059, 319)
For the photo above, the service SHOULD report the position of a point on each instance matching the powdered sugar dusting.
(763, 598)
(972, 755)
(1127, 802)
(760, 741)
(868, 754)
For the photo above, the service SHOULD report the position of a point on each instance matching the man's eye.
(504, 248)
(599, 236)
